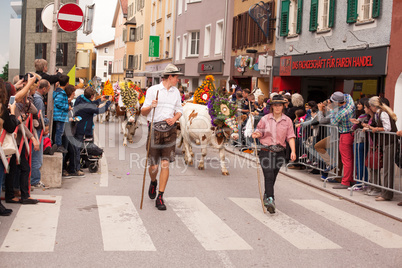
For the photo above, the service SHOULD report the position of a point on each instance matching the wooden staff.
(148, 146)
(258, 168)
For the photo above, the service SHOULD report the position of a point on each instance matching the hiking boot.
(270, 205)
(152, 189)
(160, 204)
(61, 149)
(65, 174)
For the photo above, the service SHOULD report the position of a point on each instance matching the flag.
(71, 74)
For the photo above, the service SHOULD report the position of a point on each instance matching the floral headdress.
(222, 112)
(205, 91)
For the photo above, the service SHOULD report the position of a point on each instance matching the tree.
(4, 75)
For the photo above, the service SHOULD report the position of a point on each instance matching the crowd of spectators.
(23, 118)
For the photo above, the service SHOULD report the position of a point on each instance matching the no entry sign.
(70, 17)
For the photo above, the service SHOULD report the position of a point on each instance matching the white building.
(104, 60)
(15, 40)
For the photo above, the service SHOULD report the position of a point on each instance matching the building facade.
(36, 39)
(120, 56)
(203, 41)
(15, 41)
(104, 60)
(321, 48)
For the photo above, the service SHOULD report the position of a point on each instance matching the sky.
(102, 28)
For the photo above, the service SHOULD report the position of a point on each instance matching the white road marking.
(102, 135)
(34, 227)
(122, 227)
(104, 179)
(208, 229)
(112, 134)
(290, 229)
(372, 232)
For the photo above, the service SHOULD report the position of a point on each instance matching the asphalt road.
(211, 220)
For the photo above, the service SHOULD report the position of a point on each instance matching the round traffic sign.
(70, 17)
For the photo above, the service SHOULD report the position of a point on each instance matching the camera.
(25, 77)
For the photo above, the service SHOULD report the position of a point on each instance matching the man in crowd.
(167, 111)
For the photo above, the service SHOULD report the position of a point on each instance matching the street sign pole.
(52, 64)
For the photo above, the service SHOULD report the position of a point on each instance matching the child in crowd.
(60, 112)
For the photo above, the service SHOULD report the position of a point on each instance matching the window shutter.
(285, 18)
(331, 13)
(376, 8)
(313, 15)
(352, 11)
(234, 33)
(299, 16)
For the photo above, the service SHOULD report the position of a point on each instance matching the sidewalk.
(388, 208)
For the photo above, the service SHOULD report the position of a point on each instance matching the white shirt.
(169, 102)
(386, 123)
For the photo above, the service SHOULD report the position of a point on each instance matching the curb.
(252, 158)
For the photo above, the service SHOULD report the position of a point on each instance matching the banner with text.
(154, 46)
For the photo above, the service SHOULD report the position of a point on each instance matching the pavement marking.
(34, 227)
(208, 228)
(104, 178)
(372, 232)
(122, 227)
(112, 134)
(290, 229)
(102, 135)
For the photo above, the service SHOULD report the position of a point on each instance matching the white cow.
(127, 121)
(196, 127)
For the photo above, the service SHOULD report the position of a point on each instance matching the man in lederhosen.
(168, 110)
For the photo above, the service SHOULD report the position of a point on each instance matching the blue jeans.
(361, 170)
(59, 127)
(37, 161)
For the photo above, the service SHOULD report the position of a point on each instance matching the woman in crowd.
(273, 130)
(8, 123)
(385, 120)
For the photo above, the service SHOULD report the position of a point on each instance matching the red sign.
(70, 17)
(286, 66)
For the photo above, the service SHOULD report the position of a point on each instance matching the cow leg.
(201, 165)
(124, 126)
(224, 170)
(187, 155)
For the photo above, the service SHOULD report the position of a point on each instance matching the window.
(179, 7)
(207, 41)
(106, 50)
(105, 74)
(132, 34)
(194, 43)
(291, 17)
(177, 56)
(167, 51)
(322, 15)
(219, 37)
(110, 67)
(160, 9)
(130, 61)
(40, 51)
(61, 54)
(184, 52)
(105, 63)
(40, 28)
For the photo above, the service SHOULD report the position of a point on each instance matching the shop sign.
(347, 63)
(210, 67)
(129, 74)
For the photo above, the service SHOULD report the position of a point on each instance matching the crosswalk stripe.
(102, 135)
(112, 134)
(122, 227)
(290, 229)
(374, 233)
(208, 228)
(104, 178)
(34, 227)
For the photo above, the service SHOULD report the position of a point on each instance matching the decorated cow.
(208, 125)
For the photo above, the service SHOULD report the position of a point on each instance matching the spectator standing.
(60, 112)
(41, 69)
(340, 116)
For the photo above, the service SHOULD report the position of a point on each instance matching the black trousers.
(271, 164)
(22, 176)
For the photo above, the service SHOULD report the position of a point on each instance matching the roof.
(120, 5)
(105, 44)
(133, 21)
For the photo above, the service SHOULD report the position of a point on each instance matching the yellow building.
(85, 56)
(120, 58)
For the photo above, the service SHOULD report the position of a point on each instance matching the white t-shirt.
(169, 102)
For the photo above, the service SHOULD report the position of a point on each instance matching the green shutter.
(285, 18)
(331, 13)
(376, 8)
(352, 11)
(299, 16)
(313, 15)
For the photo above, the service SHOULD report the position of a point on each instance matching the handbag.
(374, 159)
(8, 145)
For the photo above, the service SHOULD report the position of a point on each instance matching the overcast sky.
(102, 30)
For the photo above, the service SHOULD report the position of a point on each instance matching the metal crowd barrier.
(325, 139)
(377, 161)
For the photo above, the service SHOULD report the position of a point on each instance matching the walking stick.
(148, 145)
(258, 170)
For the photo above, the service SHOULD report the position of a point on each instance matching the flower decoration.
(108, 89)
(205, 91)
(129, 95)
(221, 109)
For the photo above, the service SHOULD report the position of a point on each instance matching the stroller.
(90, 155)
